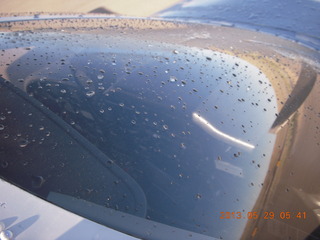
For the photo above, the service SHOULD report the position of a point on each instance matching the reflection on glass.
(215, 132)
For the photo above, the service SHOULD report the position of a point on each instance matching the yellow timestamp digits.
(263, 215)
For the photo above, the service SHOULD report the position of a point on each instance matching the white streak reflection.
(217, 133)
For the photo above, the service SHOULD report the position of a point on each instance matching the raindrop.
(21, 80)
(1, 127)
(100, 76)
(183, 146)
(237, 154)
(41, 128)
(133, 122)
(156, 135)
(172, 79)
(2, 118)
(165, 127)
(4, 164)
(63, 91)
(121, 104)
(175, 51)
(198, 196)
(37, 181)
(23, 143)
(101, 110)
(109, 108)
(90, 93)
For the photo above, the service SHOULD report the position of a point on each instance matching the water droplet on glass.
(63, 91)
(41, 128)
(156, 135)
(101, 110)
(198, 196)
(165, 127)
(121, 104)
(172, 79)
(90, 93)
(133, 122)
(175, 51)
(100, 76)
(109, 108)
(37, 181)
(4, 164)
(2, 118)
(23, 143)
(1, 127)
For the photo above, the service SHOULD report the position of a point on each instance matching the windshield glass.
(180, 134)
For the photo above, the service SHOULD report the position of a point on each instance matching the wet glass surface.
(175, 133)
